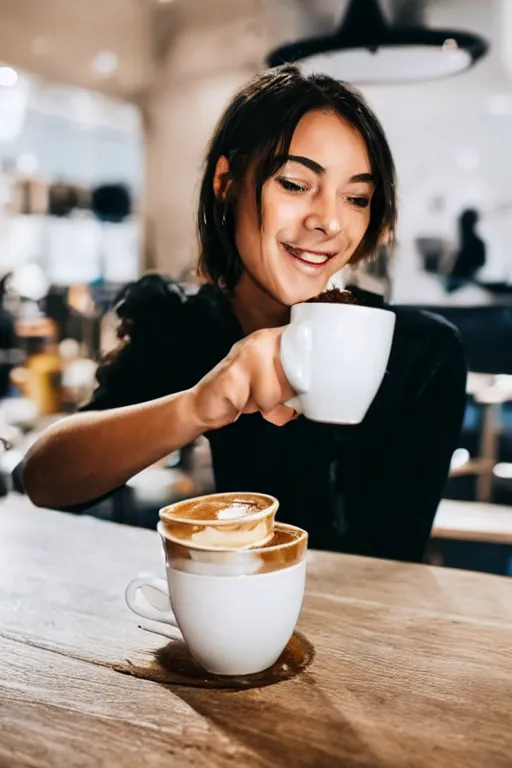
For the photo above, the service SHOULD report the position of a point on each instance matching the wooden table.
(413, 664)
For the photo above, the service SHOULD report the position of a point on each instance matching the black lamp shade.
(366, 49)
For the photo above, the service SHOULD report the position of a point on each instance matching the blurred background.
(105, 111)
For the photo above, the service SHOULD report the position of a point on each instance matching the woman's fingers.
(280, 415)
(249, 379)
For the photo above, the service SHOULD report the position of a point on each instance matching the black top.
(371, 488)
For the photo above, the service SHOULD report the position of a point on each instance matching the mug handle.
(164, 615)
(296, 346)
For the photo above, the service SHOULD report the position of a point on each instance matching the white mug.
(233, 625)
(235, 622)
(335, 357)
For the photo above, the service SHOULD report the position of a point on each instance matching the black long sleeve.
(400, 456)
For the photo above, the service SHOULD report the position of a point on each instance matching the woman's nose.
(325, 217)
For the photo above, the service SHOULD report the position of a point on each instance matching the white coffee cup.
(232, 624)
(335, 357)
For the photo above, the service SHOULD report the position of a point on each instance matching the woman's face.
(315, 212)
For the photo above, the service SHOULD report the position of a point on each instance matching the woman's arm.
(87, 455)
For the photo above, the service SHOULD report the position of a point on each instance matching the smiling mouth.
(314, 258)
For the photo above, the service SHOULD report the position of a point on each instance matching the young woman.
(299, 181)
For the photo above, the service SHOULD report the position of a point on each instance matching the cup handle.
(149, 612)
(296, 346)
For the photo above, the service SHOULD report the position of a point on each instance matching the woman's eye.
(291, 186)
(359, 202)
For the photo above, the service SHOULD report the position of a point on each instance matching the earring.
(223, 220)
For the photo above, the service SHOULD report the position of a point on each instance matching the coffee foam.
(281, 537)
(219, 507)
(226, 567)
(221, 521)
(233, 537)
(287, 547)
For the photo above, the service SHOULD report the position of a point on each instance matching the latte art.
(226, 506)
(237, 509)
(221, 521)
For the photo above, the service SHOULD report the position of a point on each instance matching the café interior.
(106, 109)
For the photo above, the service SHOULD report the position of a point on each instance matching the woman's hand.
(249, 379)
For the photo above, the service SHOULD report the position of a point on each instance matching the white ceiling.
(60, 38)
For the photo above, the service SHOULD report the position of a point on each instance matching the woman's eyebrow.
(307, 162)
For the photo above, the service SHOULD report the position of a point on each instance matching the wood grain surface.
(412, 664)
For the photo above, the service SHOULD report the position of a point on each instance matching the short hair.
(258, 124)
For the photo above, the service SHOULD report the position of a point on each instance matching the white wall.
(452, 143)
(216, 47)
(72, 134)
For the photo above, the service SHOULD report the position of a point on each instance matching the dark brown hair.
(258, 124)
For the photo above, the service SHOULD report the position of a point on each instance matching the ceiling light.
(8, 77)
(29, 281)
(503, 470)
(366, 49)
(460, 458)
(105, 63)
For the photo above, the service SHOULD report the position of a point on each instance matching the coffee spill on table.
(174, 665)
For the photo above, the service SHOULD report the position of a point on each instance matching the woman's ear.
(222, 178)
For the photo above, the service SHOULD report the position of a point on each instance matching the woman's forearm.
(87, 455)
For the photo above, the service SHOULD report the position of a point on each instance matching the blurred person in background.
(470, 257)
(298, 182)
